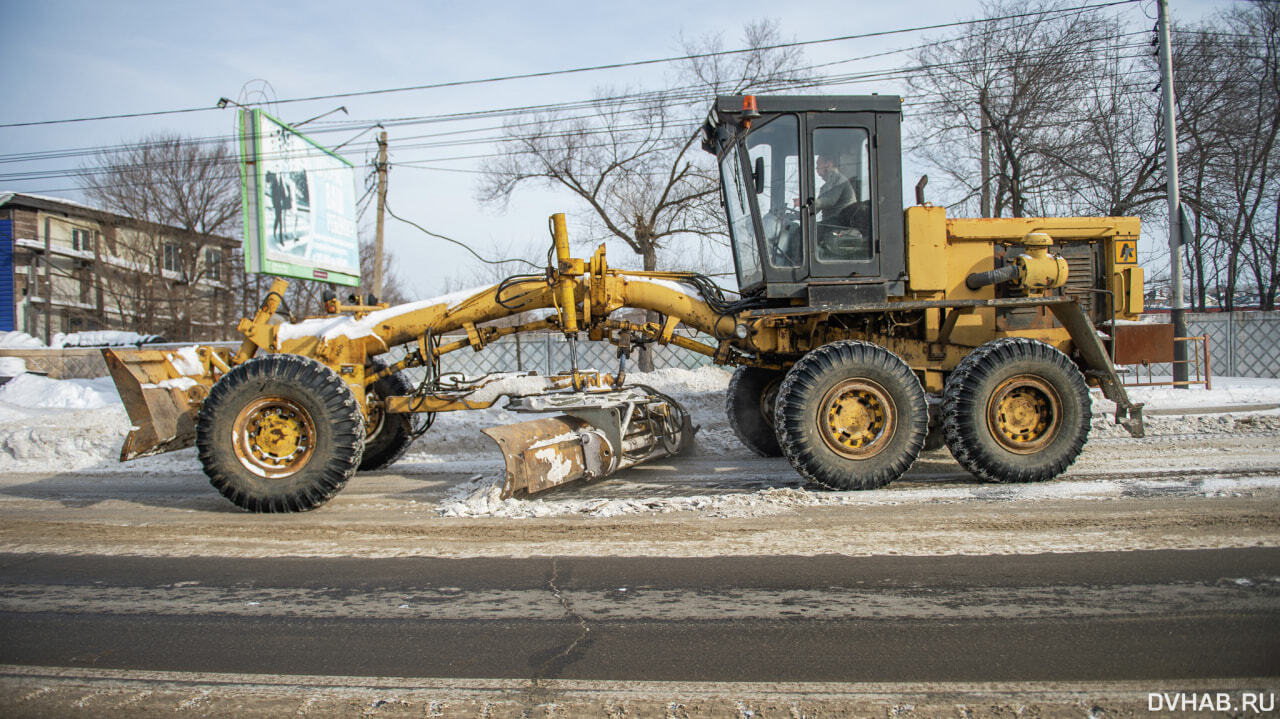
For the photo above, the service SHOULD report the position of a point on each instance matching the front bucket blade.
(541, 454)
(161, 401)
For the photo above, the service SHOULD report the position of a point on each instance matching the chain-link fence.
(548, 353)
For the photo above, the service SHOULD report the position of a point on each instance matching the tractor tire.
(387, 436)
(280, 433)
(935, 438)
(851, 415)
(753, 392)
(1016, 410)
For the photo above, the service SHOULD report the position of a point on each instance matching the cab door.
(841, 209)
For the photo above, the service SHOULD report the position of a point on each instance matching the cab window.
(773, 151)
(842, 197)
(741, 226)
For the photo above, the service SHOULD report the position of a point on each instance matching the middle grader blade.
(598, 434)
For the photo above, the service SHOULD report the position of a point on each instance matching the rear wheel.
(1016, 410)
(753, 392)
(387, 436)
(851, 415)
(280, 433)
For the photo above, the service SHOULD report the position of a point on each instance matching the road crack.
(556, 662)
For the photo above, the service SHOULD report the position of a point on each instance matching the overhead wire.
(459, 243)
(592, 68)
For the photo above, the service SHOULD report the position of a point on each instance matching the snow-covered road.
(1202, 479)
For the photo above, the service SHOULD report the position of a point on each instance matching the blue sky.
(72, 59)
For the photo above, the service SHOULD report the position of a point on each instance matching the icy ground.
(78, 425)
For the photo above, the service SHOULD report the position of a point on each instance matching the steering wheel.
(785, 223)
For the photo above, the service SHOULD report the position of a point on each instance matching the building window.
(171, 256)
(213, 263)
(81, 240)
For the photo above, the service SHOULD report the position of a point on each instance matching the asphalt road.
(1065, 617)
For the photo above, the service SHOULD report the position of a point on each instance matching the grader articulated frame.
(859, 337)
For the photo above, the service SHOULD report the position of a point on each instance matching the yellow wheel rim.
(274, 437)
(857, 418)
(1024, 414)
(376, 414)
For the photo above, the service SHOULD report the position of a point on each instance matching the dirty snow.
(80, 424)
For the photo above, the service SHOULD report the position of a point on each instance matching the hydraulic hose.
(991, 277)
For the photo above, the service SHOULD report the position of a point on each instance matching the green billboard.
(299, 204)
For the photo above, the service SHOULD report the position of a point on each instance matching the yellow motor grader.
(860, 332)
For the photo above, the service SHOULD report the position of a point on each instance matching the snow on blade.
(180, 383)
(187, 361)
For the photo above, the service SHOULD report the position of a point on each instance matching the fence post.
(1231, 345)
(548, 336)
(519, 358)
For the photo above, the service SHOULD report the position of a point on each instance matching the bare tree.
(629, 158)
(1227, 78)
(633, 157)
(168, 179)
(170, 268)
(1018, 95)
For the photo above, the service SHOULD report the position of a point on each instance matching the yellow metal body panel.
(926, 248)
(961, 260)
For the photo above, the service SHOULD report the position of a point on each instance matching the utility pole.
(1175, 203)
(382, 207)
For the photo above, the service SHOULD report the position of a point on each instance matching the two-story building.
(67, 267)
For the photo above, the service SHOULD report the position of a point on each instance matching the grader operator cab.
(813, 193)
(860, 333)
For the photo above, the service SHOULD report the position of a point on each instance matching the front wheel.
(280, 433)
(1016, 410)
(753, 393)
(851, 415)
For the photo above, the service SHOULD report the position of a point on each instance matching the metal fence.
(1241, 344)
(548, 353)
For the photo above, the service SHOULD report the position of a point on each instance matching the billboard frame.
(257, 253)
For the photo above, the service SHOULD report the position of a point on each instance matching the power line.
(592, 68)
(677, 96)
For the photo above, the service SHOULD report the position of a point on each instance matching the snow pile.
(35, 392)
(103, 338)
(65, 424)
(96, 338)
(12, 366)
(20, 341)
